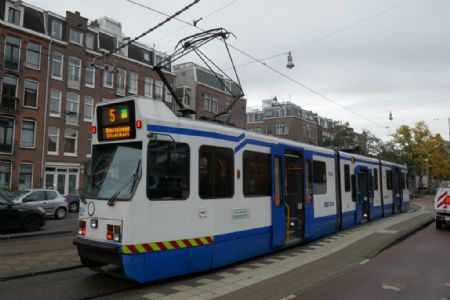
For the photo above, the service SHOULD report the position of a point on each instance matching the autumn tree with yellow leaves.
(423, 152)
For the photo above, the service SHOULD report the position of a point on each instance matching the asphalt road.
(417, 268)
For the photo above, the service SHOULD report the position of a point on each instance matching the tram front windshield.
(116, 171)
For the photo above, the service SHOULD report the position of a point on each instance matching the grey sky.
(397, 54)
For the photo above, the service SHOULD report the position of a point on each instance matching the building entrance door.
(65, 180)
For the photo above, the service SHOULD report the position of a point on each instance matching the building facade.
(286, 120)
(53, 70)
(200, 90)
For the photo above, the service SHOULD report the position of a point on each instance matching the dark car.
(73, 200)
(20, 216)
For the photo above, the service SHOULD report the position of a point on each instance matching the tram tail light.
(93, 129)
(82, 227)
(113, 233)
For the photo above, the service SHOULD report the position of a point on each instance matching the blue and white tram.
(168, 196)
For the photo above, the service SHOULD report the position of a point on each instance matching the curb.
(32, 234)
(401, 237)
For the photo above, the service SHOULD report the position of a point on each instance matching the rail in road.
(239, 281)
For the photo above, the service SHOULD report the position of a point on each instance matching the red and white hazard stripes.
(443, 200)
(168, 245)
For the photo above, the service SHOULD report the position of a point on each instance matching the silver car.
(51, 201)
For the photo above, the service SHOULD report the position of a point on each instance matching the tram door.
(294, 199)
(287, 196)
(364, 194)
(397, 190)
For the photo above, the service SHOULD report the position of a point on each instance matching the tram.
(168, 196)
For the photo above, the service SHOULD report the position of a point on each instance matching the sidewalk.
(23, 257)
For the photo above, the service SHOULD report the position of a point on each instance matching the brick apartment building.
(286, 120)
(200, 90)
(52, 72)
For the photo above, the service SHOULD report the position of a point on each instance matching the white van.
(442, 204)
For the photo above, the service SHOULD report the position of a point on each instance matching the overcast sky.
(371, 57)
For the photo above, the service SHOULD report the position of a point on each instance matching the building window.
(56, 29)
(70, 141)
(89, 144)
(257, 174)
(57, 65)
(108, 77)
(133, 83)
(269, 129)
(90, 76)
(72, 108)
(30, 98)
(88, 108)
(121, 81)
(168, 170)
(55, 103)
(6, 135)
(148, 87)
(14, 16)
(214, 105)
(12, 53)
(282, 128)
(227, 104)
(5, 175)
(216, 177)
(168, 96)
(90, 38)
(146, 56)
(320, 177)
(9, 93)
(74, 73)
(25, 176)
(53, 140)
(207, 102)
(158, 89)
(76, 36)
(347, 177)
(33, 56)
(27, 136)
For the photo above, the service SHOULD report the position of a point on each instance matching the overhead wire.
(196, 21)
(275, 70)
(331, 34)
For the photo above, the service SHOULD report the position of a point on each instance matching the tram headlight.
(94, 223)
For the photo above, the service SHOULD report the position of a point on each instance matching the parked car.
(20, 216)
(73, 200)
(51, 201)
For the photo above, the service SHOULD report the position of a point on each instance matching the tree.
(423, 152)
(369, 144)
(341, 134)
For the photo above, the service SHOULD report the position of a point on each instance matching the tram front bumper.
(107, 253)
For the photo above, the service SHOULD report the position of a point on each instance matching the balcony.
(8, 103)
(6, 146)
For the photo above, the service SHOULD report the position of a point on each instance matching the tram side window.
(347, 177)
(216, 177)
(308, 197)
(375, 179)
(320, 177)
(168, 170)
(257, 175)
(389, 179)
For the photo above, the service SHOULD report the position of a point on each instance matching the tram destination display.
(116, 121)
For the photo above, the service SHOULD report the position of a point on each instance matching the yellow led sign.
(117, 132)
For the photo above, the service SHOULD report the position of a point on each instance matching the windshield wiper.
(133, 180)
